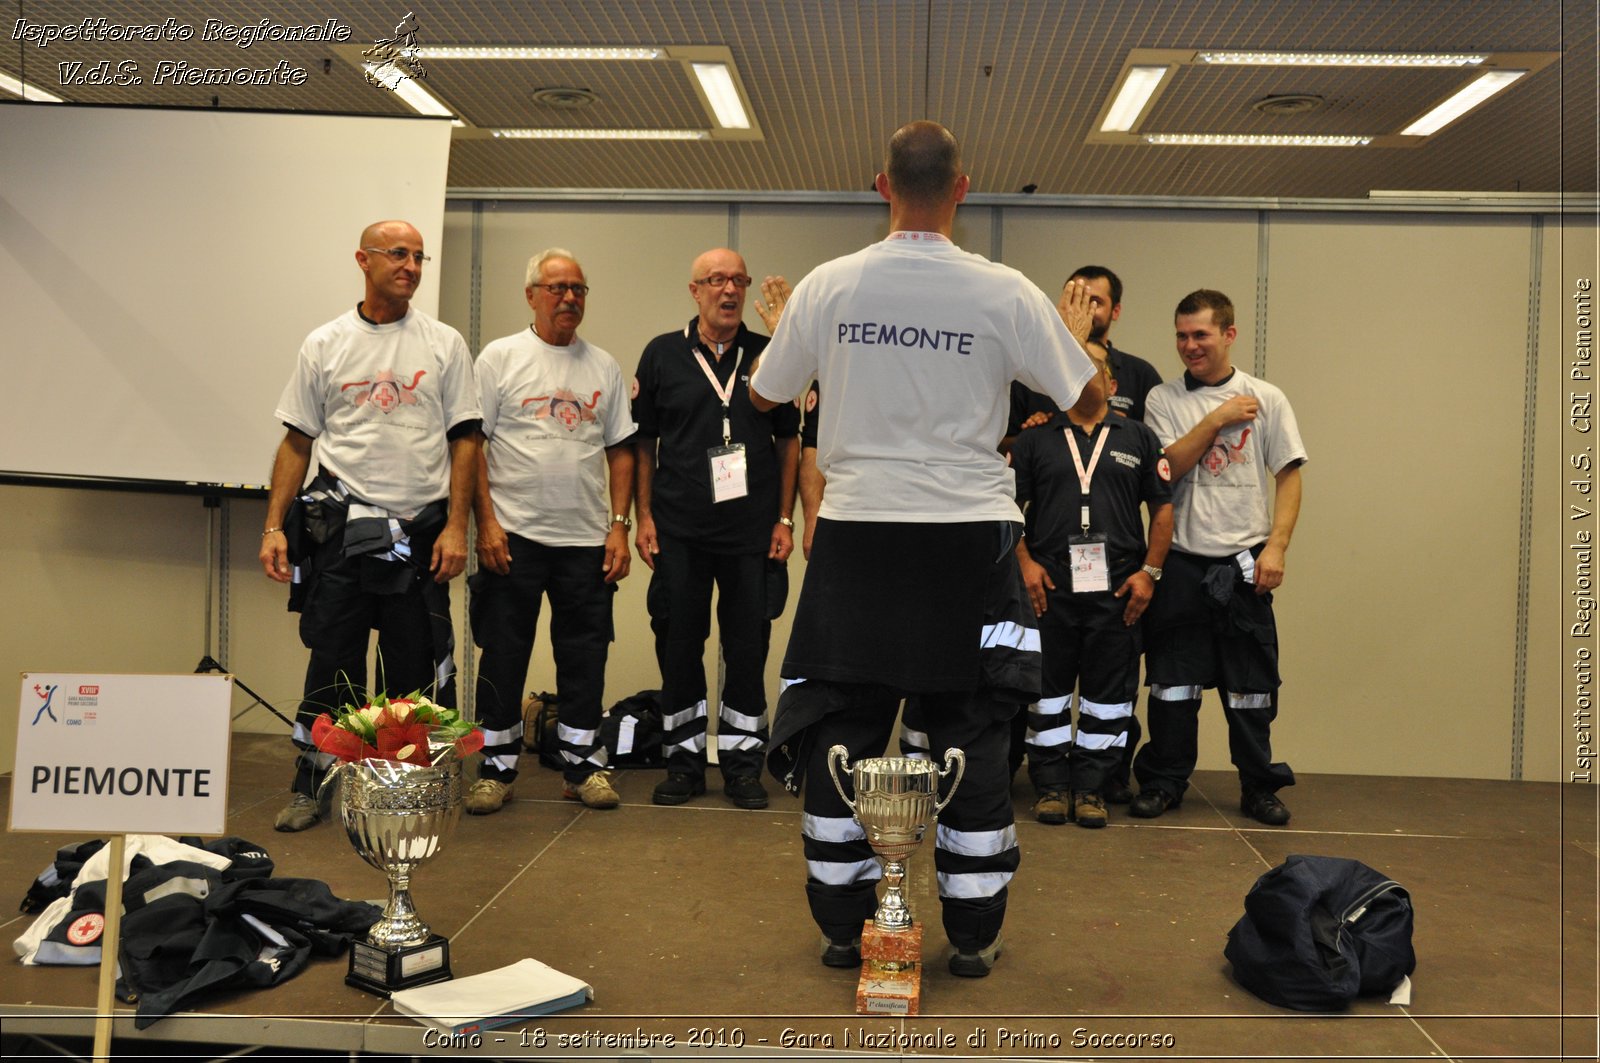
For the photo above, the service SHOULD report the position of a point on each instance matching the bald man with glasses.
(382, 397)
(715, 485)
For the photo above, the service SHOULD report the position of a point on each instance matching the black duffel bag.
(1320, 931)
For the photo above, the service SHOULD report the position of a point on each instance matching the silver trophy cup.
(896, 799)
(397, 816)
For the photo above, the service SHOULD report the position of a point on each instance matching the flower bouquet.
(409, 730)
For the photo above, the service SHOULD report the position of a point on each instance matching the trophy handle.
(839, 757)
(959, 758)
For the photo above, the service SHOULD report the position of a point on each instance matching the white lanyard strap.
(1086, 474)
(725, 393)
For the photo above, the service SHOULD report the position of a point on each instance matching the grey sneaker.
(301, 812)
(976, 964)
(486, 796)
(595, 791)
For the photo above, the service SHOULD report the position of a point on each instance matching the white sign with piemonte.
(122, 754)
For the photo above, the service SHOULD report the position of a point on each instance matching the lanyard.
(723, 393)
(1086, 474)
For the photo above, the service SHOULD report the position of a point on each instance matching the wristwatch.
(786, 522)
(627, 524)
(1151, 571)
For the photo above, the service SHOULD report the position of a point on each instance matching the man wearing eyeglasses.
(554, 489)
(716, 489)
(383, 397)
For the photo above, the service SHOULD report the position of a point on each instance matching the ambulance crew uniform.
(1207, 627)
(382, 403)
(913, 589)
(1085, 642)
(704, 542)
(549, 414)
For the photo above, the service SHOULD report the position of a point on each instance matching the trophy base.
(383, 971)
(891, 971)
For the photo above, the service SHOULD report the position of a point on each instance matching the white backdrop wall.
(1402, 339)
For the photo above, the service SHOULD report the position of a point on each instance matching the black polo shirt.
(1135, 377)
(813, 415)
(1129, 473)
(675, 405)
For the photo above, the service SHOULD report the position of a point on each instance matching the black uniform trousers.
(505, 616)
(1206, 627)
(338, 612)
(1086, 646)
(975, 841)
(679, 602)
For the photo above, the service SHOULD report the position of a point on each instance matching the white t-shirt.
(1224, 505)
(914, 344)
(379, 399)
(549, 413)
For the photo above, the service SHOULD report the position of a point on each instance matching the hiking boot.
(976, 964)
(594, 792)
(1264, 807)
(486, 796)
(1051, 807)
(1089, 809)
(1151, 803)
(841, 953)
(744, 791)
(678, 787)
(301, 812)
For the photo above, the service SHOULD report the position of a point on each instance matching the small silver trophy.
(397, 816)
(896, 799)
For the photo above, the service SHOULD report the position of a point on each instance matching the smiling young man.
(554, 489)
(715, 483)
(1235, 454)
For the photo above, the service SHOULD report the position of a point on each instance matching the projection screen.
(160, 268)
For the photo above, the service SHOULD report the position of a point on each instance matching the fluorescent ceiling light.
(1341, 59)
(496, 52)
(1475, 93)
(602, 134)
(1137, 88)
(717, 82)
(1254, 141)
(27, 92)
(403, 85)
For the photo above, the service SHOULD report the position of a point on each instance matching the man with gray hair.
(555, 484)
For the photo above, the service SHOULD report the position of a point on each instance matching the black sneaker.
(1151, 803)
(841, 953)
(678, 787)
(744, 791)
(976, 964)
(1264, 807)
(1116, 792)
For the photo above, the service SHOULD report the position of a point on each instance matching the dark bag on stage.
(631, 731)
(1320, 931)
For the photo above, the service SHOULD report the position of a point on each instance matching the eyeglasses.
(398, 255)
(719, 280)
(558, 290)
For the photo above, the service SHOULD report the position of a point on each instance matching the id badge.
(1087, 562)
(728, 472)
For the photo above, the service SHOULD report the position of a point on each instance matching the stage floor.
(691, 925)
